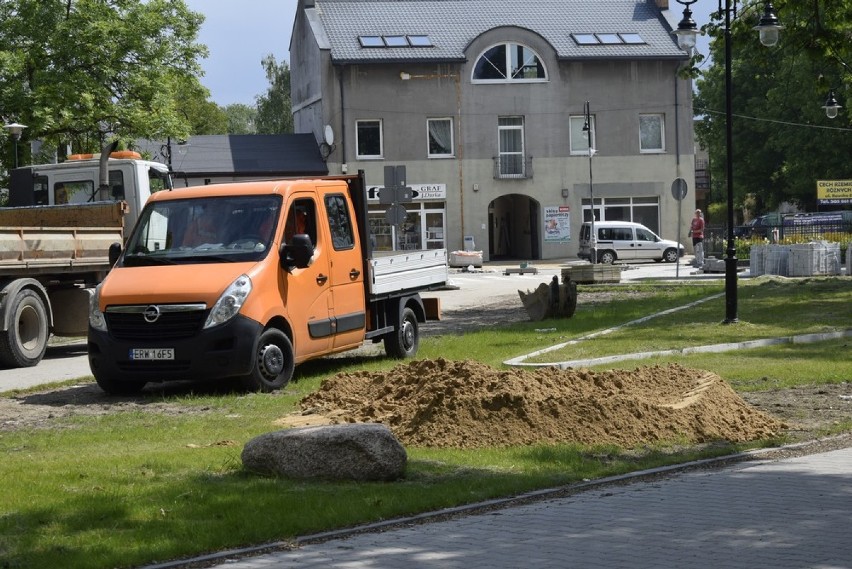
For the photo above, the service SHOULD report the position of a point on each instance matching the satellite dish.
(329, 135)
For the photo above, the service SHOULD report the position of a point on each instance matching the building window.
(509, 62)
(440, 137)
(368, 136)
(644, 210)
(510, 132)
(579, 137)
(651, 133)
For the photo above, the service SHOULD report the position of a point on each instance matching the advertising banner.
(557, 224)
(834, 192)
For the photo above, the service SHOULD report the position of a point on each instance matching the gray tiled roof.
(243, 154)
(453, 24)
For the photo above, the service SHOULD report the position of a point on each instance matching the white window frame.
(509, 78)
(662, 125)
(381, 153)
(502, 153)
(580, 147)
(452, 145)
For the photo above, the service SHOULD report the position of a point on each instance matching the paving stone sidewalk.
(789, 513)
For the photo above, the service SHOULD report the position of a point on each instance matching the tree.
(274, 113)
(783, 142)
(242, 118)
(94, 73)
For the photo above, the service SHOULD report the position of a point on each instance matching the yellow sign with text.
(835, 192)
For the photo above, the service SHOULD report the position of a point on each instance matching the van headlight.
(230, 302)
(96, 317)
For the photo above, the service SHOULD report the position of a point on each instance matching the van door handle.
(321, 279)
(354, 274)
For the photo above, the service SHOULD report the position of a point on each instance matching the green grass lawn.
(132, 488)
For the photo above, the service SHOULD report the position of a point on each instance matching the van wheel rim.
(408, 335)
(270, 360)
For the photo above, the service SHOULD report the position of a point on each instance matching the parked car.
(626, 241)
(795, 224)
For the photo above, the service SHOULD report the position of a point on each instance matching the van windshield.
(204, 230)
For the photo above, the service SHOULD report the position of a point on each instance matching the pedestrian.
(697, 231)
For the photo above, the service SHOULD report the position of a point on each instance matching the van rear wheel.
(405, 340)
(606, 257)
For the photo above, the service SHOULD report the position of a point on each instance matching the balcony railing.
(513, 167)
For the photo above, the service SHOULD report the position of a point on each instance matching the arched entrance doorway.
(513, 222)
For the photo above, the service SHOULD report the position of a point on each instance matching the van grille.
(174, 322)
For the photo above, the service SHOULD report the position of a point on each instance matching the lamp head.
(15, 129)
(831, 106)
(687, 30)
(769, 26)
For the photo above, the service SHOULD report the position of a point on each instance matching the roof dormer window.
(509, 62)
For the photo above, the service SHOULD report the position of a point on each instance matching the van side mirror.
(114, 253)
(298, 254)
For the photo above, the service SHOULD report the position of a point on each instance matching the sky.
(240, 33)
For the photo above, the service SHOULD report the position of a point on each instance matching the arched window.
(509, 62)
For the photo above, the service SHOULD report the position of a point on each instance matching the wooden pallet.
(590, 274)
(521, 271)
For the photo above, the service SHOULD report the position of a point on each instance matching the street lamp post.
(15, 130)
(587, 128)
(686, 34)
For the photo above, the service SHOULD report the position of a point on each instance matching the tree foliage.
(782, 140)
(91, 72)
(241, 118)
(273, 108)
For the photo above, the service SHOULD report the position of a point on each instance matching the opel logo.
(151, 314)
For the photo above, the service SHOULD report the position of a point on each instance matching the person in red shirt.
(696, 229)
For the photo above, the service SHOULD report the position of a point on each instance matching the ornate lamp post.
(15, 130)
(686, 34)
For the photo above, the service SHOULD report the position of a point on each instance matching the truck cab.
(76, 181)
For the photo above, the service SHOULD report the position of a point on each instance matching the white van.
(626, 241)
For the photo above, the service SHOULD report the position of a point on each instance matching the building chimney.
(663, 4)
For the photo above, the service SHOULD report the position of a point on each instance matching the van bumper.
(217, 353)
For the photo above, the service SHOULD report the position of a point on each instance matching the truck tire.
(24, 343)
(112, 386)
(405, 340)
(274, 362)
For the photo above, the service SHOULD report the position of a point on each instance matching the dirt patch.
(46, 409)
(441, 403)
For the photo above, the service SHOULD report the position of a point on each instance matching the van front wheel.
(606, 257)
(273, 364)
(670, 255)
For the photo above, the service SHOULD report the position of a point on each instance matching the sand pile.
(466, 404)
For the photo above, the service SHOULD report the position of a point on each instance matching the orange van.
(247, 280)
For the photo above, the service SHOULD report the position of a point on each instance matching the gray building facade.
(483, 102)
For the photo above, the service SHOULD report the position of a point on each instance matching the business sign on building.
(834, 192)
(421, 192)
(557, 224)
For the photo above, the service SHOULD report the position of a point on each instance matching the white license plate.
(147, 354)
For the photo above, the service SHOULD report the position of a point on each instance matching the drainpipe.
(343, 165)
(457, 79)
